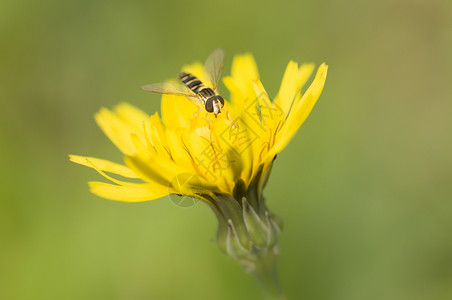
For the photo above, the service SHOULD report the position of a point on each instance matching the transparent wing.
(168, 88)
(214, 66)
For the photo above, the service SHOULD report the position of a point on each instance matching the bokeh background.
(365, 188)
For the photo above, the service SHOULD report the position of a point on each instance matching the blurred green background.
(364, 189)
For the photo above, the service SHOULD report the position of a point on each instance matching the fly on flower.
(194, 89)
(226, 169)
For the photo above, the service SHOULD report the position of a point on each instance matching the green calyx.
(248, 232)
(247, 229)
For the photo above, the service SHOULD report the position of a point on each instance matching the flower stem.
(266, 275)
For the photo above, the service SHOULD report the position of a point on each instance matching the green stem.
(265, 273)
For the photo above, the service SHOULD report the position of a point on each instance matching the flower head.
(223, 159)
(190, 152)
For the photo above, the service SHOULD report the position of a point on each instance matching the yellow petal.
(236, 94)
(177, 111)
(155, 169)
(228, 155)
(240, 83)
(257, 124)
(304, 72)
(201, 150)
(155, 142)
(306, 103)
(116, 130)
(267, 113)
(300, 112)
(157, 131)
(131, 116)
(244, 70)
(288, 88)
(189, 185)
(103, 165)
(293, 80)
(118, 182)
(178, 151)
(129, 193)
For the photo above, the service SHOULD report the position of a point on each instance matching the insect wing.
(168, 88)
(214, 66)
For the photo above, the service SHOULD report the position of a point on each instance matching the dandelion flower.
(223, 160)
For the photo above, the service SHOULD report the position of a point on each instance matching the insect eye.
(209, 105)
(221, 100)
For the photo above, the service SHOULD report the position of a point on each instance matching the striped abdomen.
(196, 86)
(212, 102)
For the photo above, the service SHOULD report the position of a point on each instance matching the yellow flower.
(196, 154)
(223, 160)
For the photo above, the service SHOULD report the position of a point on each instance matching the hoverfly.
(193, 88)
